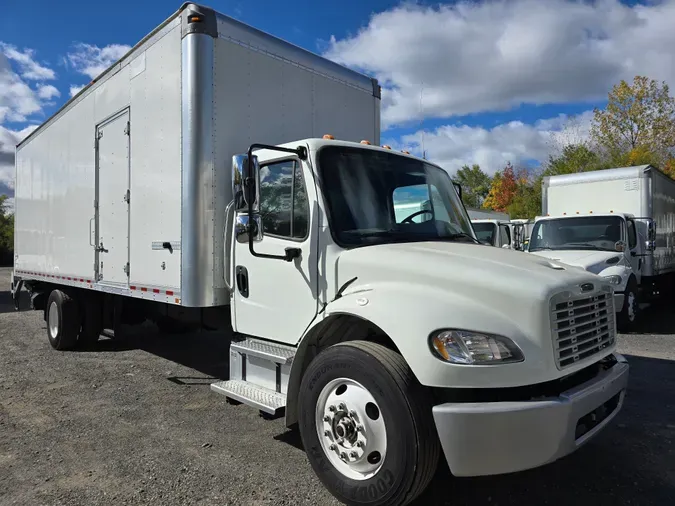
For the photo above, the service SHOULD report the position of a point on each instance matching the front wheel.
(631, 306)
(367, 425)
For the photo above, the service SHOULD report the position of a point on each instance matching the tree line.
(6, 233)
(637, 127)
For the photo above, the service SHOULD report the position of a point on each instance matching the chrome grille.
(582, 325)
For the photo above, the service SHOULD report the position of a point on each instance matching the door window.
(505, 234)
(632, 236)
(284, 207)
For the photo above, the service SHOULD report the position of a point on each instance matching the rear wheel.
(63, 320)
(367, 425)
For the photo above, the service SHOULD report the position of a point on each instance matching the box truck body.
(124, 190)
(193, 179)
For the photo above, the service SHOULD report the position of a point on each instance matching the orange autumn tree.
(502, 189)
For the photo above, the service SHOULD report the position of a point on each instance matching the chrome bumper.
(503, 437)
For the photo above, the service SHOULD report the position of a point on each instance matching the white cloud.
(471, 57)
(47, 92)
(92, 60)
(452, 146)
(74, 90)
(17, 99)
(28, 67)
(8, 140)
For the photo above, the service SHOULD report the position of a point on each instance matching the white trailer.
(616, 223)
(150, 195)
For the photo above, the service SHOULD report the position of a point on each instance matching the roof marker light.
(405, 152)
(367, 143)
(328, 137)
(386, 146)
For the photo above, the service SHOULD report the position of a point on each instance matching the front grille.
(582, 325)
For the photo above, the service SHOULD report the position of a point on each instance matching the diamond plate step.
(264, 399)
(277, 353)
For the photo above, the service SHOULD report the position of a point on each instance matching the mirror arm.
(291, 253)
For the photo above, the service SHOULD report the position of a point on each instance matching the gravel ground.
(134, 422)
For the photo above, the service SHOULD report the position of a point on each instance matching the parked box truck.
(616, 223)
(192, 183)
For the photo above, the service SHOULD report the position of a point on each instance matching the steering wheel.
(416, 213)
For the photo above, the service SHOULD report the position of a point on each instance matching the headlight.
(613, 280)
(473, 348)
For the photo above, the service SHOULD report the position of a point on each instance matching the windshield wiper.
(586, 245)
(463, 235)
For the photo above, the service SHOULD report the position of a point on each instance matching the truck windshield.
(376, 197)
(587, 232)
(485, 231)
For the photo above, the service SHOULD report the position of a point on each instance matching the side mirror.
(651, 230)
(620, 246)
(458, 189)
(245, 183)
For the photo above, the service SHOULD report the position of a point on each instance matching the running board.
(259, 374)
(264, 399)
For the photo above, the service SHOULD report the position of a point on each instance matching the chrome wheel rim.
(53, 320)
(351, 429)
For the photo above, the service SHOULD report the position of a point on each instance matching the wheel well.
(337, 328)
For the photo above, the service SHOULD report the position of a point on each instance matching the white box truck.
(493, 228)
(616, 223)
(385, 340)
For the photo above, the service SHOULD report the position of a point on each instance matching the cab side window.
(505, 234)
(284, 207)
(632, 234)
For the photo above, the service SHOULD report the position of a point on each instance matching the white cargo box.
(124, 189)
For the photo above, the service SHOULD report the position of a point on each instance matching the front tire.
(631, 308)
(367, 425)
(63, 320)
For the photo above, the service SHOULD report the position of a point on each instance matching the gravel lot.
(134, 422)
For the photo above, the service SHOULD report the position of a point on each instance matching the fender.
(409, 313)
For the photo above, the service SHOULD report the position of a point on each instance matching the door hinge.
(127, 197)
(99, 134)
(127, 129)
(126, 269)
(95, 204)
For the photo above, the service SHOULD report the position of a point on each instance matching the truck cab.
(493, 232)
(608, 245)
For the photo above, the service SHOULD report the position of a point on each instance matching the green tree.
(639, 115)
(6, 232)
(475, 185)
(573, 158)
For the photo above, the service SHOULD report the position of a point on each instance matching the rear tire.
(63, 320)
(378, 420)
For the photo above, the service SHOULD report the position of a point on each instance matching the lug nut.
(359, 444)
(326, 433)
(353, 455)
(332, 447)
(359, 428)
(352, 413)
(343, 456)
(326, 418)
(342, 406)
(331, 409)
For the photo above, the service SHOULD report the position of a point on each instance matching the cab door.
(273, 298)
(634, 252)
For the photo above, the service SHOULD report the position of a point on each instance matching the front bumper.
(503, 437)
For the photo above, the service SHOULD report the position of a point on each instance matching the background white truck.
(617, 223)
(385, 339)
(493, 228)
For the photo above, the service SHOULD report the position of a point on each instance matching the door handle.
(91, 242)
(241, 276)
(101, 249)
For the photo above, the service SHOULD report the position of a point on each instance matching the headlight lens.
(613, 280)
(473, 348)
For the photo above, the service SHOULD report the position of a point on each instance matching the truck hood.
(475, 270)
(592, 261)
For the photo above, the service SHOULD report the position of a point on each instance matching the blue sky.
(468, 82)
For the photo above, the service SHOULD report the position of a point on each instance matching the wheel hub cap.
(351, 429)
